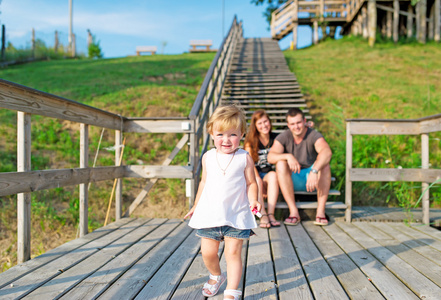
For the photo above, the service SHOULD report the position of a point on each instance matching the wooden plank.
(21, 98)
(293, 97)
(427, 258)
(94, 285)
(172, 271)
(419, 234)
(31, 281)
(291, 280)
(312, 205)
(20, 270)
(136, 171)
(158, 126)
(388, 285)
(129, 284)
(19, 182)
(419, 284)
(68, 279)
(385, 127)
(260, 280)
(322, 281)
(411, 175)
(355, 283)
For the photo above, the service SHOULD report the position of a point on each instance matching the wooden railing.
(422, 127)
(27, 101)
(294, 10)
(207, 100)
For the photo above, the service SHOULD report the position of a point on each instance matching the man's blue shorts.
(299, 179)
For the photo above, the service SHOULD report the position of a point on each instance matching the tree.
(272, 6)
(94, 49)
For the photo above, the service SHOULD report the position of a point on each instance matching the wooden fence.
(27, 102)
(422, 127)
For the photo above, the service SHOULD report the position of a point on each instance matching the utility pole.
(70, 27)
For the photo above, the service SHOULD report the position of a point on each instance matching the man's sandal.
(291, 221)
(273, 223)
(235, 293)
(320, 221)
(265, 225)
(209, 290)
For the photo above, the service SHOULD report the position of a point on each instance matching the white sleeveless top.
(224, 200)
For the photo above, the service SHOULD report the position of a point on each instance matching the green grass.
(346, 79)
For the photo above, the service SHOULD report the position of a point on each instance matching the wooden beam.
(158, 126)
(23, 199)
(396, 19)
(424, 185)
(410, 175)
(158, 171)
(409, 21)
(84, 193)
(24, 182)
(437, 20)
(348, 192)
(385, 128)
(372, 22)
(21, 98)
(118, 184)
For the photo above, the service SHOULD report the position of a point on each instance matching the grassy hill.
(346, 79)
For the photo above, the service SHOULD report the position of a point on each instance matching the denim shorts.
(299, 179)
(262, 174)
(219, 233)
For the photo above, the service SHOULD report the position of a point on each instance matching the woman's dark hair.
(252, 137)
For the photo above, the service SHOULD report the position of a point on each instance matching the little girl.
(227, 193)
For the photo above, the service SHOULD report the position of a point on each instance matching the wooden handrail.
(422, 126)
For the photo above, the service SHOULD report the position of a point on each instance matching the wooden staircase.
(259, 78)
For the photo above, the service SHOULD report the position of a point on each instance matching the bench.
(201, 46)
(148, 49)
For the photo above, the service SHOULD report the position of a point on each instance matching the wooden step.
(312, 205)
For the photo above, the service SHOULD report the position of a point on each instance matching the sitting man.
(302, 157)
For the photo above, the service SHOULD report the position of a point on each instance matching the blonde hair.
(226, 117)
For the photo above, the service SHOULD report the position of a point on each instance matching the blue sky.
(122, 25)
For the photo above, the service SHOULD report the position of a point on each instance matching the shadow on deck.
(160, 259)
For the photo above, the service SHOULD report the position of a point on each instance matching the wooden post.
(409, 21)
(437, 21)
(3, 42)
(425, 185)
(431, 30)
(33, 43)
(348, 190)
(74, 45)
(23, 199)
(193, 163)
(365, 28)
(396, 20)
(295, 26)
(56, 42)
(84, 193)
(389, 24)
(372, 15)
(118, 188)
(422, 24)
(315, 32)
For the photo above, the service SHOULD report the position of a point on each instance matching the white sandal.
(235, 293)
(213, 288)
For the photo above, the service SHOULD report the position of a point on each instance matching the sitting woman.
(258, 142)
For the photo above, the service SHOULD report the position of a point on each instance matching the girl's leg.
(233, 256)
(209, 249)
(272, 187)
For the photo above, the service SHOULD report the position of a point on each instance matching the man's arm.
(276, 154)
(324, 154)
(323, 159)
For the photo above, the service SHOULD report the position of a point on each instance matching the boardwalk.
(160, 259)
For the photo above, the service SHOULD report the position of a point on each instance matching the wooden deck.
(160, 259)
